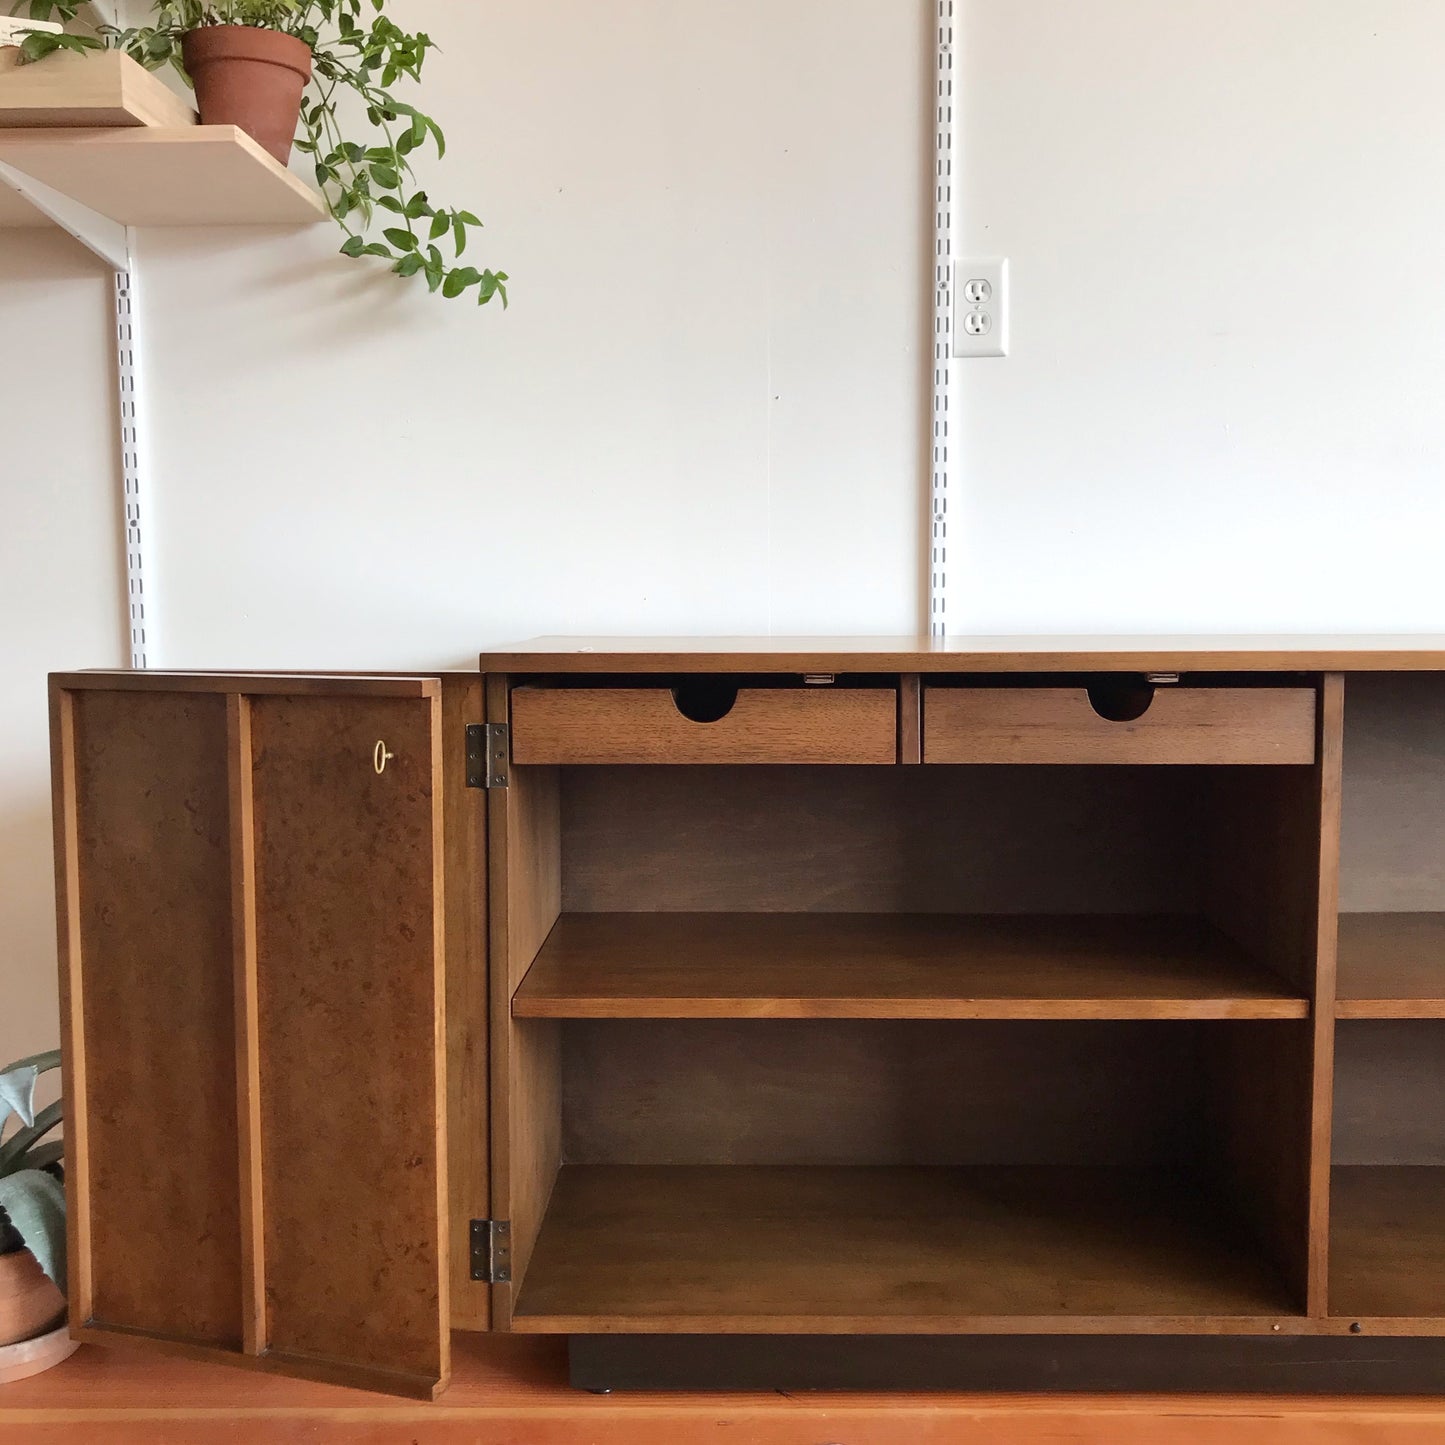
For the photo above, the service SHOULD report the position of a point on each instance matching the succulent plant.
(32, 1202)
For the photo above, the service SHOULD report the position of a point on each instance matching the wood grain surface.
(349, 962)
(749, 1250)
(883, 840)
(964, 652)
(884, 1091)
(152, 964)
(514, 1388)
(765, 725)
(468, 1053)
(1387, 1246)
(827, 965)
(1392, 966)
(1183, 725)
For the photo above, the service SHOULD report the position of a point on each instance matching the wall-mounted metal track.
(128, 372)
(942, 323)
(115, 245)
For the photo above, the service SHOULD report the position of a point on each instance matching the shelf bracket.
(98, 234)
(114, 244)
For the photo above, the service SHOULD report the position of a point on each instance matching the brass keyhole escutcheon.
(380, 757)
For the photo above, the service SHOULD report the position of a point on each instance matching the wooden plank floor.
(513, 1391)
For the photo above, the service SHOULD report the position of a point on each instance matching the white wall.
(702, 412)
(705, 411)
(60, 582)
(1223, 408)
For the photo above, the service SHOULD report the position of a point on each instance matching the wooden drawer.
(759, 725)
(1223, 725)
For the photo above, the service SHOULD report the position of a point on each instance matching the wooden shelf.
(740, 1249)
(1391, 966)
(1387, 1242)
(213, 175)
(908, 966)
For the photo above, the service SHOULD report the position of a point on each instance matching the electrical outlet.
(980, 322)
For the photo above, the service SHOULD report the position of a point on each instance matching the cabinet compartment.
(1387, 1219)
(705, 720)
(1113, 721)
(758, 1025)
(907, 1177)
(1387, 1235)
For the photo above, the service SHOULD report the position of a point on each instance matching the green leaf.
(390, 203)
(408, 265)
(466, 218)
(42, 1156)
(439, 226)
(385, 177)
(402, 240)
(354, 246)
(459, 235)
(17, 1093)
(35, 1203)
(13, 1150)
(43, 1062)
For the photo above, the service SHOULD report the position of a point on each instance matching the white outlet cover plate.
(980, 307)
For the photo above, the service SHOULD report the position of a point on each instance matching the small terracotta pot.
(30, 1357)
(30, 1304)
(251, 78)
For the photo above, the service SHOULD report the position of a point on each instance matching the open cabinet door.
(250, 875)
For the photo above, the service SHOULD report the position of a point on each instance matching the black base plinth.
(1028, 1364)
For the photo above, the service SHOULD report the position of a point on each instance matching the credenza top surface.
(969, 652)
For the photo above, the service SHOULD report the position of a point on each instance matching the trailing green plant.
(32, 1202)
(358, 50)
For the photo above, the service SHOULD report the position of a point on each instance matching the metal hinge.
(489, 747)
(492, 1251)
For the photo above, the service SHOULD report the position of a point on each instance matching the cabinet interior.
(928, 1048)
(1387, 1246)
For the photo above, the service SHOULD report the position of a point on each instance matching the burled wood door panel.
(152, 1101)
(250, 891)
(348, 966)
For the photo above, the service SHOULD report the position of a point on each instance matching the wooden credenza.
(1003, 987)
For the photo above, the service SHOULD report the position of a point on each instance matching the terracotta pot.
(30, 1357)
(251, 78)
(30, 1304)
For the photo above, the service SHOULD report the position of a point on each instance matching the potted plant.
(33, 1334)
(271, 66)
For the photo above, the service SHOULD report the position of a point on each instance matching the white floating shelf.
(205, 175)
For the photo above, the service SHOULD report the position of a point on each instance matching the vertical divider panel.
(1272, 871)
(1330, 769)
(524, 868)
(64, 816)
(910, 718)
(467, 1049)
(248, 1044)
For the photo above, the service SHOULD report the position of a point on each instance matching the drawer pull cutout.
(1121, 699)
(380, 757)
(705, 699)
